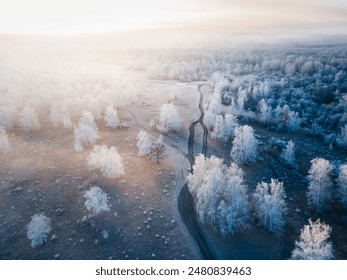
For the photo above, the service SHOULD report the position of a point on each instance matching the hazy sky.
(193, 21)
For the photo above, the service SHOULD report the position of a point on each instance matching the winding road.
(185, 198)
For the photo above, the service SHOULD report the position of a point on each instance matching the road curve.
(185, 198)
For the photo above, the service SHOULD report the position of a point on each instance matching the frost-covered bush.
(220, 195)
(288, 154)
(144, 143)
(245, 145)
(224, 127)
(314, 243)
(86, 132)
(320, 184)
(38, 229)
(342, 183)
(111, 117)
(169, 119)
(28, 119)
(270, 205)
(96, 201)
(107, 160)
(5, 145)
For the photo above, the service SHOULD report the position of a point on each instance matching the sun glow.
(89, 16)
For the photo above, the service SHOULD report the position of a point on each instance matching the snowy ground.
(44, 174)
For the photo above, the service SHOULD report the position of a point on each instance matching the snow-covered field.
(57, 113)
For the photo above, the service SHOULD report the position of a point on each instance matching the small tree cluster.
(28, 119)
(320, 184)
(38, 229)
(270, 206)
(86, 132)
(107, 160)
(245, 145)
(224, 127)
(220, 194)
(96, 201)
(169, 119)
(148, 147)
(314, 244)
(111, 118)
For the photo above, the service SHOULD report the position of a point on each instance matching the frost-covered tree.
(265, 111)
(342, 183)
(86, 132)
(144, 143)
(5, 145)
(314, 243)
(169, 119)
(224, 127)
(107, 160)
(111, 118)
(288, 153)
(342, 138)
(293, 121)
(60, 113)
(38, 229)
(220, 195)
(28, 119)
(270, 205)
(148, 147)
(245, 145)
(96, 201)
(158, 149)
(320, 184)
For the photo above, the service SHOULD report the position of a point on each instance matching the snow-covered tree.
(320, 186)
(265, 111)
(28, 119)
(5, 145)
(111, 117)
(270, 205)
(38, 229)
(158, 149)
(224, 127)
(107, 160)
(293, 121)
(288, 153)
(96, 201)
(86, 132)
(60, 114)
(245, 145)
(342, 182)
(342, 138)
(168, 119)
(144, 143)
(314, 243)
(220, 194)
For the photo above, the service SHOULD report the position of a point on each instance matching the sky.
(177, 22)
